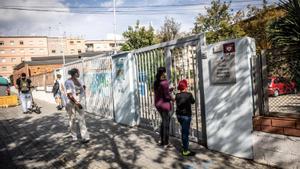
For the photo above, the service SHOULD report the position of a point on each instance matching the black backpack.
(55, 87)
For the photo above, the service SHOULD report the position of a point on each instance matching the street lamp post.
(115, 28)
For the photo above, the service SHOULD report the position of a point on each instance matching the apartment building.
(67, 46)
(103, 45)
(15, 49)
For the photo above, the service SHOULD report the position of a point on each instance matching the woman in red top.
(163, 103)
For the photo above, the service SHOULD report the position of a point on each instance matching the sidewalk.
(38, 141)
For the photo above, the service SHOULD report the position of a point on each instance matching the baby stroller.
(34, 107)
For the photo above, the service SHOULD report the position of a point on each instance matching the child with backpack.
(184, 101)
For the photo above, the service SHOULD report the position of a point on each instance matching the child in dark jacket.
(184, 101)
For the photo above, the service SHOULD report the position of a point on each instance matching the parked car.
(279, 85)
(4, 87)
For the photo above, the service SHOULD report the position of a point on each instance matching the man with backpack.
(24, 86)
(58, 92)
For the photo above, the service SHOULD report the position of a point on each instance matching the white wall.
(229, 106)
(277, 150)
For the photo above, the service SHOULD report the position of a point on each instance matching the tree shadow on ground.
(29, 142)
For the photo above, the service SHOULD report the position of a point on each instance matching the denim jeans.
(185, 122)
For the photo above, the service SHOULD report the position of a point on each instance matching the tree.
(285, 32)
(218, 23)
(169, 31)
(257, 22)
(138, 37)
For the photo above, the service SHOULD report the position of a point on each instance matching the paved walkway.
(39, 141)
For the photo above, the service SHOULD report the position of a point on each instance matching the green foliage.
(257, 23)
(218, 23)
(138, 37)
(169, 31)
(285, 33)
(286, 30)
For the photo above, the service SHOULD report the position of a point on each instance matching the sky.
(93, 19)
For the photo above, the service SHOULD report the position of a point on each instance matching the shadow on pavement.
(28, 142)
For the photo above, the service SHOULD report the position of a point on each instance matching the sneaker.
(188, 153)
(168, 146)
(84, 141)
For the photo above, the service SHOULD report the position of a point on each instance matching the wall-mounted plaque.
(223, 66)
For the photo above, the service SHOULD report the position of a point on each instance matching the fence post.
(44, 81)
(265, 83)
(259, 87)
(199, 56)
(168, 61)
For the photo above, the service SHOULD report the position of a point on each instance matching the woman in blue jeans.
(184, 101)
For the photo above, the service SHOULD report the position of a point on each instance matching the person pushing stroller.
(24, 86)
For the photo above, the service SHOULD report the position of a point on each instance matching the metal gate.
(180, 59)
(95, 72)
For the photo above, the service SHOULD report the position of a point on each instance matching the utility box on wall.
(228, 96)
(124, 89)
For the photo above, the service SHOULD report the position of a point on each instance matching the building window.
(4, 68)
(13, 51)
(78, 41)
(22, 59)
(1, 42)
(2, 51)
(79, 51)
(53, 51)
(71, 42)
(3, 60)
(31, 50)
(30, 42)
(13, 59)
(12, 42)
(22, 50)
(21, 42)
(41, 50)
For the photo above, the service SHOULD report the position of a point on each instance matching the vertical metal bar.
(111, 89)
(162, 58)
(147, 83)
(168, 62)
(112, 92)
(175, 65)
(188, 63)
(157, 64)
(141, 76)
(151, 73)
(139, 82)
(201, 91)
(265, 83)
(195, 91)
(138, 89)
(181, 54)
